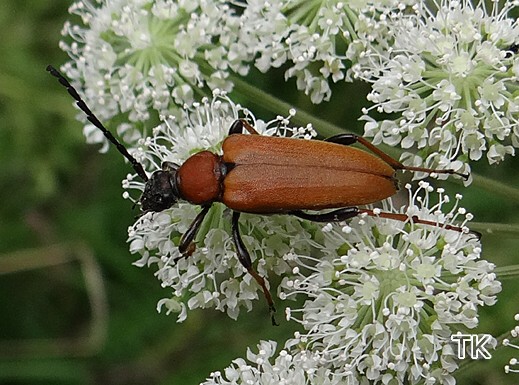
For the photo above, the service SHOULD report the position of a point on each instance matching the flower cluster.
(385, 300)
(382, 298)
(450, 78)
(317, 39)
(447, 70)
(288, 368)
(144, 58)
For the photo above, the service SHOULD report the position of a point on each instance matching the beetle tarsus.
(187, 251)
(433, 171)
(272, 311)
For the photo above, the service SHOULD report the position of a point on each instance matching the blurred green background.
(73, 308)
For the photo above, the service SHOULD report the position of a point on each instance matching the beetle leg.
(240, 124)
(415, 219)
(332, 216)
(169, 166)
(186, 246)
(345, 213)
(236, 127)
(244, 257)
(349, 139)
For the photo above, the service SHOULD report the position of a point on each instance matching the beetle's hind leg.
(415, 219)
(345, 213)
(244, 257)
(349, 139)
(332, 216)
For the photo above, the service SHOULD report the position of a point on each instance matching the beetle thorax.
(200, 178)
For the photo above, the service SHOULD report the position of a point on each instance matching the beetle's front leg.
(186, 246)
(244, 257)
(333, 216)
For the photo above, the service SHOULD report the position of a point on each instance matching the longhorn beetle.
(270, 175)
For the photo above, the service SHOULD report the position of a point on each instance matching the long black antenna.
(93, 119)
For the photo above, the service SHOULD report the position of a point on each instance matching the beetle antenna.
(93, 119)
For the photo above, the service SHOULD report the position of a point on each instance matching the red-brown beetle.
(270, 175)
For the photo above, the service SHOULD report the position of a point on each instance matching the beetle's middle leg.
(349, 139)
(244, 257)
(240, 124)
(332, 216)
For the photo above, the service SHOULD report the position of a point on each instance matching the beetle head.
(160, 191)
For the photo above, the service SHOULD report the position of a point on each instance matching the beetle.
(270, 175)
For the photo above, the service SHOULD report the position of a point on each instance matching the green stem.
(496, 187)
(504, 272)
(492, 228)
(277, 106)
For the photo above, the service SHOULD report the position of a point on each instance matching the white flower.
(212, 276)
(314, 37)
(289, 367)
(387, 295)
(449, 75)
(513, 364)
(143, 58)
